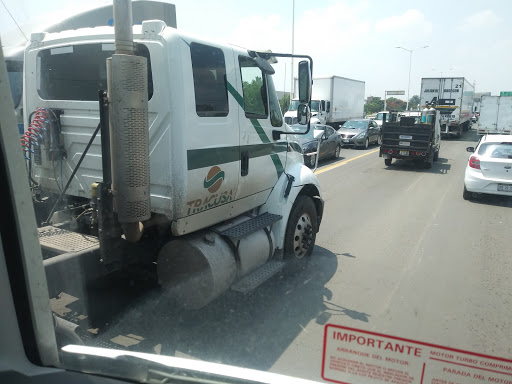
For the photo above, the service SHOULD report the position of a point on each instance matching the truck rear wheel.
(388, 161)
(300, 234)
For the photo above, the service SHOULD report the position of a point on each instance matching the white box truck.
(454, 99)
(495, 115)
(335, 100)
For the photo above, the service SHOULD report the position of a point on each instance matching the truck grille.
(290, 120)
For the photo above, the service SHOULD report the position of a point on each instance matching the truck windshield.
(315, 105)
(294, 105)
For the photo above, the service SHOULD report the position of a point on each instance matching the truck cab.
(216, 166)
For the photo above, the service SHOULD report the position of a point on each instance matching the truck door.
(262, 158)
(504, 118)
(213, 148)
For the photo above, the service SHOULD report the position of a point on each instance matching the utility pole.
(410, 64)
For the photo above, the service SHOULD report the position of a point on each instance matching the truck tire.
(459, 131)
(300, 235)
(388, 161)
(436, 155)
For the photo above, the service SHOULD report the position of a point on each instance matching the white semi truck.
(195, 181)
(495, 115)
(335, 100)
(453, 97)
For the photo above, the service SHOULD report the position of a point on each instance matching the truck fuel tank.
(195, 269)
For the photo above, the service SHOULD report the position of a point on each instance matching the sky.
(354, 39)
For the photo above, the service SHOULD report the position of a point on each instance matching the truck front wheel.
(300, 234)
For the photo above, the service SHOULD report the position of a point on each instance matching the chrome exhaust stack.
(129, 134)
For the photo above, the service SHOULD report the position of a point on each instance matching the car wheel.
(300, 234)
(466, 194)
(312, 161)
(337, 151)
(388, 161)
(379, 141)
(366, 143)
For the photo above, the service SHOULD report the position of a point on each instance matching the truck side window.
(255, 91)
(322, 105)
(328, 108)
(276, 117)
(209, 71)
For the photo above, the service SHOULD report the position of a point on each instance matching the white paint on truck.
(495, 115)
(454, 97)
(335, 100)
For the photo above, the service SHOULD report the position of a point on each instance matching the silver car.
(360, 133)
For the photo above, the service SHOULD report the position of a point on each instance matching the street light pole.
(410, 65)
(293, 48)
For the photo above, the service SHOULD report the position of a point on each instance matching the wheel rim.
(337, 153)
(367, 142)
(303, 236)
(379, 141)
(312, 160)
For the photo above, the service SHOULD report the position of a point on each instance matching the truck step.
(258, 277)
(64, 241)
(252, 225)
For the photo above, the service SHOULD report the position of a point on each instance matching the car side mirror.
(470, 149)
(303, 114)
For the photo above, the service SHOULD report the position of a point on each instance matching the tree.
(414, 101)
(285, 103)
(394, 104)
(253, 102)
(374, 106)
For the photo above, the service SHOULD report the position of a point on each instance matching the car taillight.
(474, 162)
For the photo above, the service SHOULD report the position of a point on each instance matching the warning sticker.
(353, 356)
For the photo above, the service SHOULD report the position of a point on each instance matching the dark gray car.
(360, 133)
(330, 144)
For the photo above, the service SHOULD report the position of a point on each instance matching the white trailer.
(454, 99)
(495, 115)
(335, 100)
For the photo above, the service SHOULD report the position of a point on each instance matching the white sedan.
(489, 169)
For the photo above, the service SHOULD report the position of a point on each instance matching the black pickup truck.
(411, 140)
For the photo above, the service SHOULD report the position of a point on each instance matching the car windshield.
(294, 105)
(188, 232)
(355, 124)
(496, 150)
(313, 132)
(315, 105)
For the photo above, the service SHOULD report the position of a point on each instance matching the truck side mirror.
(304, 82)
(303, 114)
